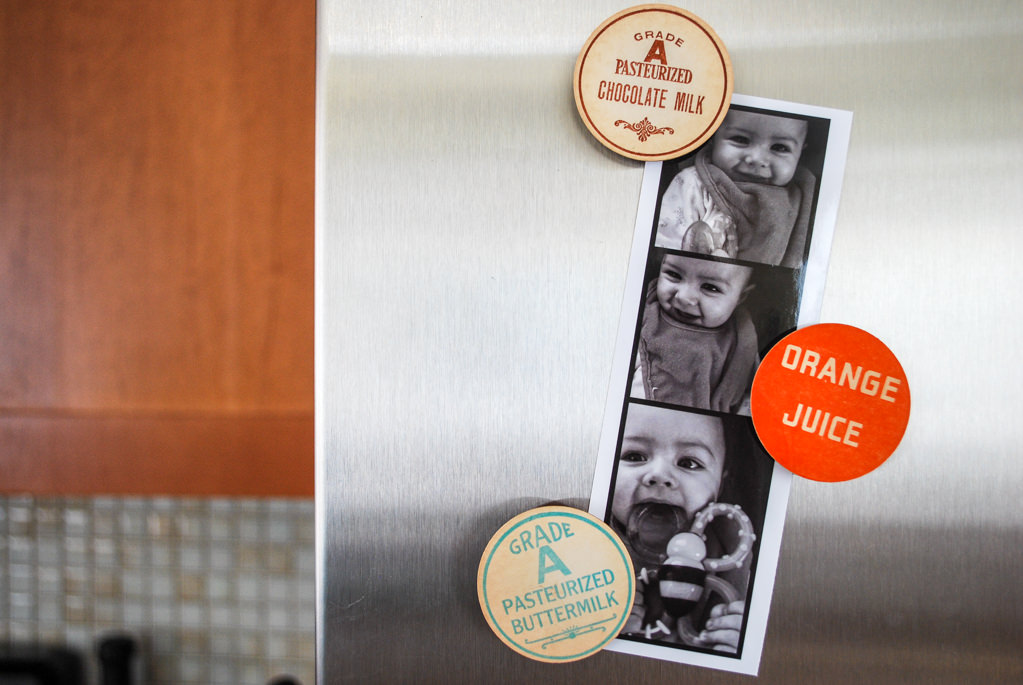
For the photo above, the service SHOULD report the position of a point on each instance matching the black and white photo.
(749, 192)
(703, 325)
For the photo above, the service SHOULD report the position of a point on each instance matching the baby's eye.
(710, 288)
(672, 274)
(689, 464)
(781, 148)
(738, 139)
(633, 457)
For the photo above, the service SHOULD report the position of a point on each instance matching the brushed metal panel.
(473, 241)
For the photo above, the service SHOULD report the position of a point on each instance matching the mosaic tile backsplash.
(215, 590)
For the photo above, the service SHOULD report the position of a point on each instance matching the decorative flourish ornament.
(644, 129)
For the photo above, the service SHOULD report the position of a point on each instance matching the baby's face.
(758, 147)
(668, 457)
(700, 292)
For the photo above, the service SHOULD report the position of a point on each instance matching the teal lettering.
(555, 563)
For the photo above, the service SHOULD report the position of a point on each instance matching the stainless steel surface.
(472, 247)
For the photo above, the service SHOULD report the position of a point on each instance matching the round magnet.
(653, 82)
(830, 402)
(555, 584)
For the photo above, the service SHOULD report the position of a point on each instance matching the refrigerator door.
(472, 245)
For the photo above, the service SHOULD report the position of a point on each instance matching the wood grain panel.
(187, 454)
(156, 237)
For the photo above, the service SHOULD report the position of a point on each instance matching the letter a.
(656, 53)
(555, 563)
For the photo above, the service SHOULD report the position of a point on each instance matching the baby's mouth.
(649, 528)
(685, 317)
(750, 177)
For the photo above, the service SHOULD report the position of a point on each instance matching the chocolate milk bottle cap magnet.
(653, 82)
(556, 584)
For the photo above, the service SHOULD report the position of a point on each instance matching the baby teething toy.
(684, 578)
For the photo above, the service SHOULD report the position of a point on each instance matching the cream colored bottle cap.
(556, 584)
(653, 82)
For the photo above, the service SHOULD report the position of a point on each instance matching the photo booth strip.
(744, 523)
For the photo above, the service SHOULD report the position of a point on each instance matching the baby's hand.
(722, 629)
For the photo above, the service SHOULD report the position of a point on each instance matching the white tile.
(250, 529)
(250, 506)
(134, 553)
(136, 613)
(221, 505)
(51, 609)
(49, 521)
(21, 577)
(255, 673)
(105, 552)
(191, 526)
(76, 521)
(280, 530)
(192, 556)
(77, 580)
(20, 514)
(219, 587)
(136, 583)
(77, 609)
(277, 647)
(305, 562)
(165, 642)
(223, 615)
(222, 643)
(49, 552)
(249, 643)
(106, 611)
(222, 557)
(161, 525)
(76, 551)
(222, 527)
(23, 606)
(162, 555)
(251, 587)
(21, 550)
(193, 614)
(165, 613)
(22, 631)
(280, 589)
(133, 522)
(105, 504)
(278, 617)
(164, 504)
(251, 615)
(105, 523)
(79, 637)
(192, 669)
(50, 579)
(224, 671)
(163, 584)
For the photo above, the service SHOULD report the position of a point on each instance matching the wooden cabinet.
(156, 246)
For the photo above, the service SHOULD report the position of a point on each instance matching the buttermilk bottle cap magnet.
(556, 584)
(653, 82)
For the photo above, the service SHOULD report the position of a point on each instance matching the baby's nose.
(756, 156)
(659, 476)
(686, 295)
